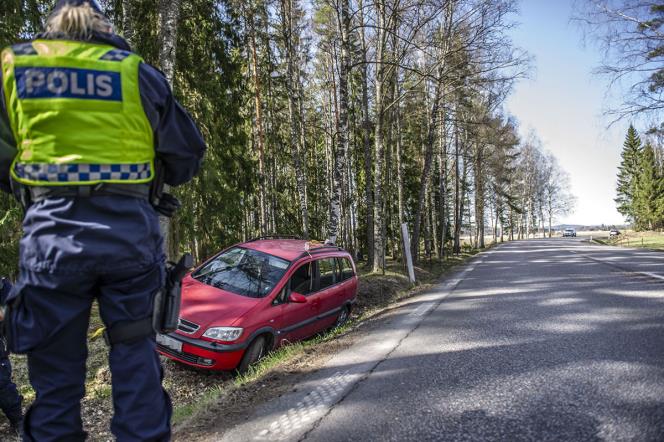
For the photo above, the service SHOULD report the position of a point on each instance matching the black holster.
(167, 301)
(164, 203)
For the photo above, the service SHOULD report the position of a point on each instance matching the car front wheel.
(344, 314)
(253, 354)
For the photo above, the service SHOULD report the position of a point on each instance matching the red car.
(256, 296)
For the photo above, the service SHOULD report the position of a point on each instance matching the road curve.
(536, 340)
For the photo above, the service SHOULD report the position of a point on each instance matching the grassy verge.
(646, 240)
(257, 372)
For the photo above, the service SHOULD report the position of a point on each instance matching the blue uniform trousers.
(52, 318)
(73, 251)
(10, 400)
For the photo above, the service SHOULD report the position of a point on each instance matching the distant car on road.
(256, 296)
(569, 232)
(613, 233)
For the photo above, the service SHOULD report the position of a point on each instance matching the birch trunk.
(479, 194)
(366, 142)
(399, 153)
(379, 148)
(169, 14)
(495, 226)
(442, 164)
(426, 172)
(127, 25)
(433, 237)
(550, 210)
(342, 125)
(457, 233)
(457, 203)
(445, 34)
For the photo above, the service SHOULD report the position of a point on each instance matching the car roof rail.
(259, 238)
(320, 249)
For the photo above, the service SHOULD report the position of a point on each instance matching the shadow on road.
(535, 344)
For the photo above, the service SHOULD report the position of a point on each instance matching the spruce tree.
(649, 192)
(628, 172)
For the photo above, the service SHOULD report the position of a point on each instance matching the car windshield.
(243, 271)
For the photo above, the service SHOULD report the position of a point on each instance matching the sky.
(563, 102)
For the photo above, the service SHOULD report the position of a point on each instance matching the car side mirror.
(297, 298)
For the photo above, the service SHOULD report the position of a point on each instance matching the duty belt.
(40, 193)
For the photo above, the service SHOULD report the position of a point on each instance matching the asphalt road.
(535, 341)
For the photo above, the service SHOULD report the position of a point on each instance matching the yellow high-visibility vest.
(76, 113)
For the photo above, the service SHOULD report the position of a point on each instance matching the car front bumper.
(204, 354)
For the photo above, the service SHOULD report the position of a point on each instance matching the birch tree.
(169, 13)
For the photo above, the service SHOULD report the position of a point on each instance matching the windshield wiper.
(220, 285)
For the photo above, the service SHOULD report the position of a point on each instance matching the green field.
(648, 240)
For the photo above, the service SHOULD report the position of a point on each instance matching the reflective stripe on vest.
(76, 113)
(76, 173)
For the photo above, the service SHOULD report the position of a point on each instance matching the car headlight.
(223, 333)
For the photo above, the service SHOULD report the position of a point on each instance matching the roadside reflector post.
(406, 249)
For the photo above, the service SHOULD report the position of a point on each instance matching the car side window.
(327, 272)
(302, 279)
(346, 268)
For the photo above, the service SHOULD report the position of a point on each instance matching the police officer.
(88, 120)
(10, 400)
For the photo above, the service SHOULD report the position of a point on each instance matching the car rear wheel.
(344, 314)
(253, 354)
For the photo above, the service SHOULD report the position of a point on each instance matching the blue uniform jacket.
(108, 233)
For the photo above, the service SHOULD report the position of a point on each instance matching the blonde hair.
(76, 22)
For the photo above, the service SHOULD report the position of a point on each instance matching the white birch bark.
(379, 148)
(342, 128)
(366, 142)
(127, 26)
(169, 14)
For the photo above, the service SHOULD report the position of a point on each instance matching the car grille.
(187, 326)
(180, 355)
